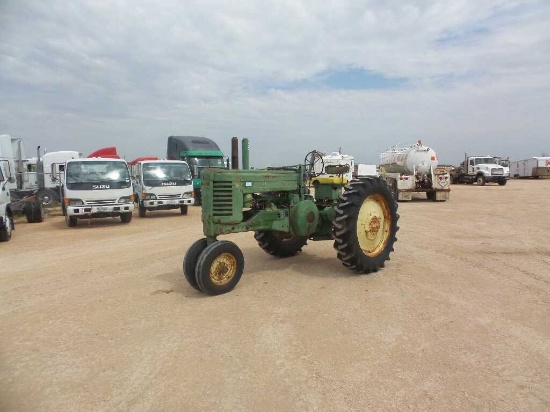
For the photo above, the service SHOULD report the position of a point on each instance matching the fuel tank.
(416, 158)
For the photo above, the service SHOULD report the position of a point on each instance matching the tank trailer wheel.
(480, 180)
(141, 210)
(280, 244)
(365, 226)
(34, 212)
(71, 221)
(219, 268)
(5, 233)
(183, 209)
(190, 261)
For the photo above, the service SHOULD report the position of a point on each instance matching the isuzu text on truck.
(95, 188)
(161, 184)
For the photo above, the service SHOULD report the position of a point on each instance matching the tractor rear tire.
(219, 268)
(280, 244)
(190, 262)
(365, 226)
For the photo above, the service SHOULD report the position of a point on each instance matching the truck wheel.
(47, 197)
(365, 227)
(280, 244)
(141, 210)
(126, 217)
(219, 268)
(5, 232)
(71, 221)
(190, 262)
(34, 212)
(183, 209)
(480, 180)
(502, 182)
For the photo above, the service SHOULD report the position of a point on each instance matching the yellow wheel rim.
(373, 225)
(223, 269)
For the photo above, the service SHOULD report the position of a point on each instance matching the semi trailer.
(535, 167)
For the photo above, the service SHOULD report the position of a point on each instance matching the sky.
(290, 75)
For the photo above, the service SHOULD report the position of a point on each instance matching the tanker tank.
(409, 160)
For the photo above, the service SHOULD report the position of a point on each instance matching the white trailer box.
(536, 167)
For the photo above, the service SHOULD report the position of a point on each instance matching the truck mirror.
(11, 179)
(195, 170)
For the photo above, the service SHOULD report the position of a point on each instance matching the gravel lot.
(100, 318)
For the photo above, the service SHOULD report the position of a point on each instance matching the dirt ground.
(99, 317)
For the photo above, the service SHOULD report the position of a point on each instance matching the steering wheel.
(314, 164)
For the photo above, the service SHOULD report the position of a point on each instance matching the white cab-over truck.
(96, 188)
(414, 168)
(161, 184)
(6, 216)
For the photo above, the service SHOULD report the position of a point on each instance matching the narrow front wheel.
(219, 268)
(190, 261)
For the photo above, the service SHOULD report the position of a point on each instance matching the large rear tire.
(365, 226)
(219, 268)
(190, 261)
(280, 244)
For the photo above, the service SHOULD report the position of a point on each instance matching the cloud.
(290, 75)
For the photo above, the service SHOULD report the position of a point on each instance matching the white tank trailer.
(414, 168)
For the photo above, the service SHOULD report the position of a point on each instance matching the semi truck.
(414, 169)
(161, 184)
(480, 170)
(96, 187)
(6, 216)
(535, 167)
(23, 199)
(199, 153)
(40, 177)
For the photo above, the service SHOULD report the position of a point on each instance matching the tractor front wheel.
(280, 244)
(190, 261)
(365, 226)
(219, 268)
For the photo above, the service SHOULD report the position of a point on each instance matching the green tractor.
(360, 216)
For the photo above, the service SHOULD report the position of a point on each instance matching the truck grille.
(169, 197)
(497, 172)
(223, 199)
(103, 202)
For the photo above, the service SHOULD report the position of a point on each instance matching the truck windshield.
(166, 174)
(100, 174)
(484, 160)
(210, 162)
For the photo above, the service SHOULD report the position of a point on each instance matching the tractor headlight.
(126, 199)
(149, 196)
(74, 202)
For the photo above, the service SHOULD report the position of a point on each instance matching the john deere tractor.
(360, 216)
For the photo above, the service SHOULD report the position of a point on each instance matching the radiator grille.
(103, 202)
(223, 199)
(169, 197)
